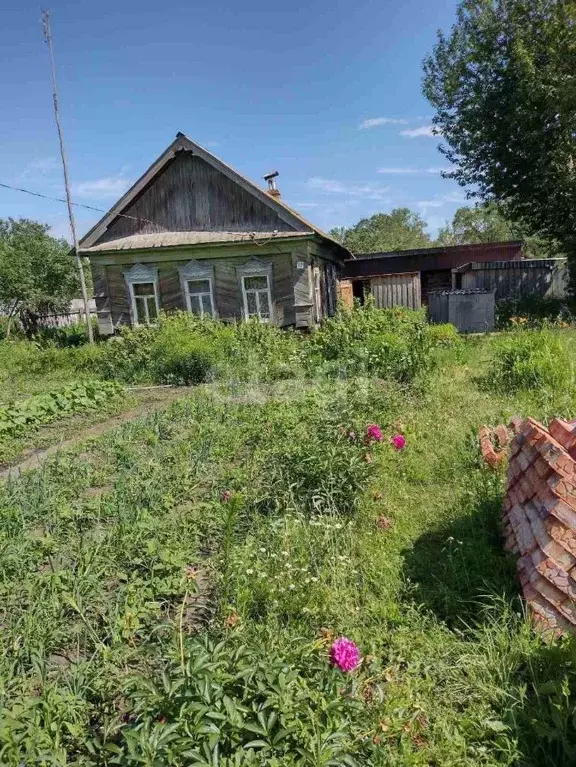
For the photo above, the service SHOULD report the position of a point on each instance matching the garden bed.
(171, 590)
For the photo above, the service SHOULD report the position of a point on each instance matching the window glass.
(251, 303)
(196, 305)
(200, 295)
(152, 313)
(264, 303)
(256, 283)
(144, 289)
(198, 286)
(206, 303)
(144, 302)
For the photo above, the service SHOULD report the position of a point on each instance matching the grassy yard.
(169, 591)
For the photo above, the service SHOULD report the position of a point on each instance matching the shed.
(433, 265)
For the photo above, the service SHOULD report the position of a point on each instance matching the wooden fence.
(63, 320)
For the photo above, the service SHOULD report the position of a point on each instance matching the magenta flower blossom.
(344, 654)
(399, 441)
(374, 432)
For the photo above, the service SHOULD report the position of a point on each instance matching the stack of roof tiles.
(540, 519)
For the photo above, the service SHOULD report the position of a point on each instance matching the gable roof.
(89, 243)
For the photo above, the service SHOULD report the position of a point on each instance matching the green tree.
(503, 86)
(481, 223)
(37, 272)
(486, 223)
(401, 229)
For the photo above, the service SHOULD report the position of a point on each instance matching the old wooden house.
(193, 234)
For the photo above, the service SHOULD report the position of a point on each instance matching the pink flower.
(344, 654)
(374, 432)
(225, 496)
(399, 441)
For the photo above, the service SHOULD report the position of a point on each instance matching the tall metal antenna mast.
(48, 41)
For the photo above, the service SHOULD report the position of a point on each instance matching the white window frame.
(257, 268)
(140, 274)
(194, 270)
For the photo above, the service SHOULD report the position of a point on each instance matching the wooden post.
(48, 40)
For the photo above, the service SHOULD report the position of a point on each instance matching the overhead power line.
(76, 204)
(249, 235)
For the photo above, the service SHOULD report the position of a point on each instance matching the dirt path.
(153, 400)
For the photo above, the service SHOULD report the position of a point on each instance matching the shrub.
(444, 335)
(183, 349)
(264, 352)
(533, 311)
(66, 335)
(29, 358)
(388, 343)
(531, 360)
(182, 361)
(127, 356)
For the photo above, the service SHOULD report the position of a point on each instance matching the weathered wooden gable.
(189, 194)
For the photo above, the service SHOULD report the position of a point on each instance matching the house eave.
(224, 245)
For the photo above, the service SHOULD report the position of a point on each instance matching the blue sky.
(326, 92)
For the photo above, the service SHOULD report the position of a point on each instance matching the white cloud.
(100, 188)
(398, 171)
(422, 130)
(43, 166)
(332, 186)
(407, 171)
(304, 205)
(374, 122)
(441, 200)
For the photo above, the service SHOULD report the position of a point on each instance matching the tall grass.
(151, 617)
(169, 592)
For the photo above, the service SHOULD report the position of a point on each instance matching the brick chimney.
(272, 190)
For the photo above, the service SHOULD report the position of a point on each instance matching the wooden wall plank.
(191, 195)
(518, 279)
(227, 288)
(101, 299)
(396, 290)
(171, 298)
(118, 295)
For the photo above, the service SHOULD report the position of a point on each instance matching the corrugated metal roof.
(505, 244)
(431, 259)
(174, 239)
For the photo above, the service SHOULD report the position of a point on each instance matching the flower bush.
(249, 705)
(344, 654)
(374, 432)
